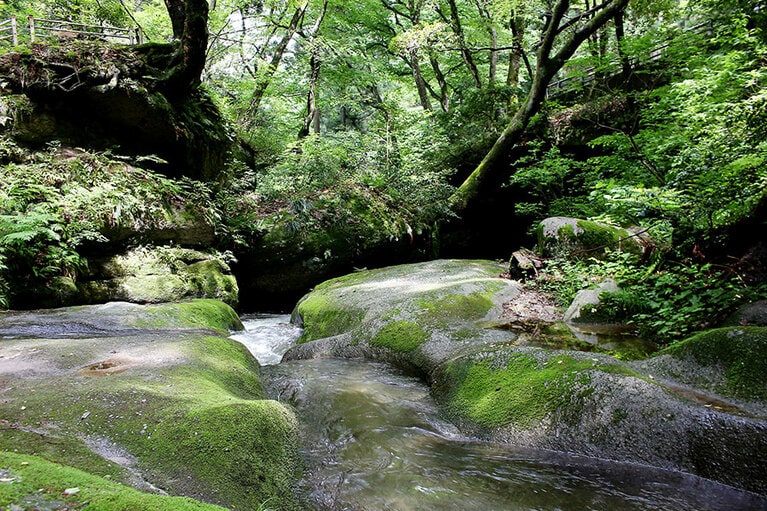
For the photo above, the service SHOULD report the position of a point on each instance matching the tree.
(265, 77)
(560, 38)
(312, 120)
(191, 32)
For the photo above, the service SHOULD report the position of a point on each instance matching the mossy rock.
(439, 320)
(118, 101)
(161, 274)
(31, 482)
(179, 409)
(572, 237)
(415, 313)
(119, 318)
(731, 361)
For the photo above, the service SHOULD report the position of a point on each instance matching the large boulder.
(440, 320)
(415, 315)
(158, 274)
(155, 397)
(98, 95)
(573, 237)
(585, 306)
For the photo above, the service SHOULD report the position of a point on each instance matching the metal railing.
(37, 29)
(614, 67)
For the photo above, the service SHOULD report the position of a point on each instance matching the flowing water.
(373, 440)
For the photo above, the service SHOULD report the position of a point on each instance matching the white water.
(268, 336)
(374, 440)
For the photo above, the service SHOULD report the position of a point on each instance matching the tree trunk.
(263, 81)
(420, 83)
(517, 25)
(177, 13)
(455, 24)
(620, 34)
(493, 56)
(548, 64)
(444, 94)
(312, 120)
(186, 75)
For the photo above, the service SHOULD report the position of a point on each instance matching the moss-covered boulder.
(730, 361)
(160, 274)
(154, 397)
(572, 237)
(98, 95)
(440, 319)
(416, 315)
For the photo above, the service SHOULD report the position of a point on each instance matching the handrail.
(612, 67)
(47, 29)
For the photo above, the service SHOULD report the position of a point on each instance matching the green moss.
(197, 423)
(523, 392)
(566, 233)
(59, 449)
(323, 316)
(454, 307)
(200, 313)
(584, 238)
(599, 236)
(31, 480)
(243, 450)
(740, 351)
(211, 279)
(401, 336)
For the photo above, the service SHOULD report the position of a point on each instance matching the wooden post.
(14, 31)
(31, 29)
(139, 36)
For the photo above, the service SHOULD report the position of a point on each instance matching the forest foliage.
(402, 100)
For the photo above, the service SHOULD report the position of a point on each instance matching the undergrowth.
(666, 301)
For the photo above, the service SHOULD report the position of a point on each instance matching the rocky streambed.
(158, 398)
(697, 407)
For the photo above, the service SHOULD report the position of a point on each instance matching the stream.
(373, 439)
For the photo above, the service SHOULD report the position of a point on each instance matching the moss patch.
(201, 313)
(29, 482)
(740, 352)
(454, 307)
(519, 394)
(324, 319)
(404, 336)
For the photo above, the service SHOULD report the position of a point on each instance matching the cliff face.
(96, 95)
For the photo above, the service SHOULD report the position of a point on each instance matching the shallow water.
(373, 440)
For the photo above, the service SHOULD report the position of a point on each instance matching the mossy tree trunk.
(572, 32)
